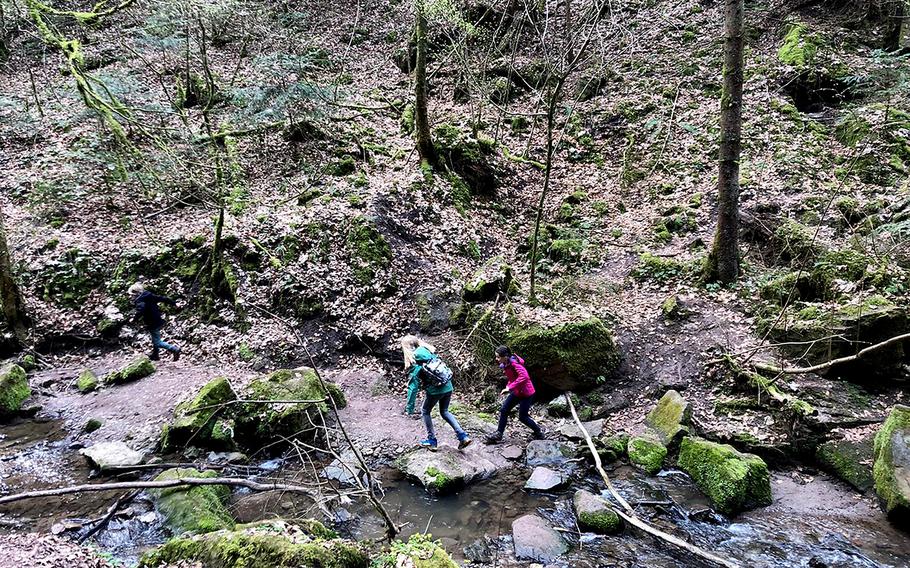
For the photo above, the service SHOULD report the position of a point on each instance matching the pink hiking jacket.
(519, 381)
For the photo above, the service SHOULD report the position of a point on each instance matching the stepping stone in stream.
(545, 479)
(535, 539)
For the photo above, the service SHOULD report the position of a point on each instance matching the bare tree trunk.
(424, 140)
(548, 168)
(895, 26)
(723, 262)
(10, 296)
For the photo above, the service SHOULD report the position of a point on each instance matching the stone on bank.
(136, 369)
(195, 419)
(595, 514)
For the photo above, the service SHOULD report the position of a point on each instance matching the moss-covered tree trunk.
(723, 262)
(10, 296)
(422, 122)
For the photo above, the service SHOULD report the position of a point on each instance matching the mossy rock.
(486, 285)
(793, 242)
(891, 464)
(420, 551)
(800, 46)
(343, 167)
(734, 481)
(595, 514)
(670, 418)
(182, 259)
(849, 461)
(14, 390)
(261, 423)
(195, 419)
(445, 471)
(69, 279)
(369, 250)
(196, 509)
(87, 381)
(259, 545)
(467, 156)
(91, 425)
(136, 369)
(611, 447)
(566, 250)
(647, 452)
(572, 356)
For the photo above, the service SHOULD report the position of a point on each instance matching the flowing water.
(813, 522)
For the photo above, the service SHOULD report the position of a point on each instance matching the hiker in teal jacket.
(441, 394)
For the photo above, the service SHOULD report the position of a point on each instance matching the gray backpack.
(436, 373)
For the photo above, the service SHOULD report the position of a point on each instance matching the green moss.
(197, 509)
(14, 390)
(407, 119)
(343, 167)
(136, 369)
(420, 551)
(194, 419)
(653, 267)
(438, 481)
(585, 349)
(890, 442)
(732, 480)
(794, 241)
(488, 283)
(466, 156)
(850, 461)
(261, 422)
(670, 417)
(369, 250)
(670, 308)
(799, 47)
(91, 425)
(647, 452)
(69, 279)
(257, 546)
(613, 447)
(87, 381)
(566, 250)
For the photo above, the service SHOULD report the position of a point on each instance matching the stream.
(813, 522)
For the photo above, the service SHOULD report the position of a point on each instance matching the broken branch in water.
(121, 501)
(628, 514)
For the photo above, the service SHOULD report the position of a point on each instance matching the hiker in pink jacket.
(520, 391)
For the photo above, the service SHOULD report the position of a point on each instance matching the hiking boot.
(464, 442)
(154, 356)
(493, 438)
(540, 435)
(429, 443)
(176, 354)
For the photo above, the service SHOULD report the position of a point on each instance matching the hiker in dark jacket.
(435, 394)
(146, 305)
(520, 392)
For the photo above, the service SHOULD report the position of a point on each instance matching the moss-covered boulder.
(572, 356)
(14, 390)
(87, 381)
(195, 419)
(196, 509)
(669, 419)
(488, 283)
(136, 369)
(891, 464)
(262, 423)
(420, 551)
(595, 514)
(734, 481)
(647, 452)
(273, 544)
(446, 470)
(848, 460)
(468, 156)
(610, 447)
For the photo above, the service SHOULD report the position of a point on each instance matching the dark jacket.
(147, 307)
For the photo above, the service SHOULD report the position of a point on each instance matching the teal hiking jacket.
(422, 356)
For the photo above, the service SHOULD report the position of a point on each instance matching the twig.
(121, 501)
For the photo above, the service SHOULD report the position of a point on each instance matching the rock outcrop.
(545, 479)
(891, 464)
(14, 390)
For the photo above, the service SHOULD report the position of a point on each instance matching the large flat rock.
(535, 539)
(107, 455)
(545, 479)
(546, 452)
(446, 470)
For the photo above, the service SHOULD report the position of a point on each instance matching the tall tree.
(723, 262)
(13, 305)
(422, 122)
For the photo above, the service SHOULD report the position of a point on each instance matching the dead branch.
(121, 501)
(628, 514)
(164, 484)
(833, 362)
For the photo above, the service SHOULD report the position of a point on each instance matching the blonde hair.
(135, 290)
(410, 344)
